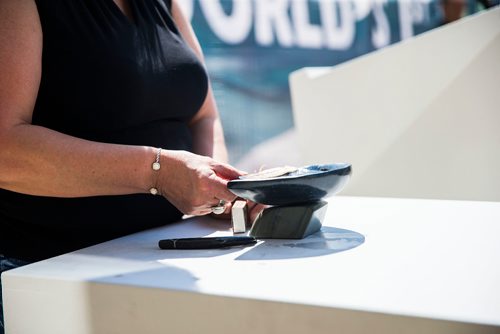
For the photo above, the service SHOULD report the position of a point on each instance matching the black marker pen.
(206, 243)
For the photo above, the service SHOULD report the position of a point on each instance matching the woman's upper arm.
(185, 29)
(208, 109)
(20, 61)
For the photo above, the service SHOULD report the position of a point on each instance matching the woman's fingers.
(222, 193)
(226, 171)
(220, 190)
(254, 210)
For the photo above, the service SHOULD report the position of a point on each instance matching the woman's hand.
(254, 210)
(194, 183)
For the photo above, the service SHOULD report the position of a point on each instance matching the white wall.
(418, 119)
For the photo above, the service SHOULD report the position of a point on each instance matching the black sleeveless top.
(110, 79)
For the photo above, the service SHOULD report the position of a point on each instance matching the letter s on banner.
(381, 31)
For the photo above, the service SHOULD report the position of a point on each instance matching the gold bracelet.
(156, 166)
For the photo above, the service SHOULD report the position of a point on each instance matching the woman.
(103, 105)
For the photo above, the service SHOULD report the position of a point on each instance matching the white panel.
(417, 119)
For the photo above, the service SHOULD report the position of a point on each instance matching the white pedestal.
(379, 266)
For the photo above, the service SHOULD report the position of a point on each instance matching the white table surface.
(379, 265)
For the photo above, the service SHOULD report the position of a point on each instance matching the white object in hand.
(239, 216)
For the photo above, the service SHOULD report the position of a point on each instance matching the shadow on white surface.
(329, 240)
(162, 277)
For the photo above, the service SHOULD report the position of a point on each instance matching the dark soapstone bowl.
(307, 184)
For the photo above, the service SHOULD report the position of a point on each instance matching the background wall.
(251, 46)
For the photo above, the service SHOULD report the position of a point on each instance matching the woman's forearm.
(38, 161)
